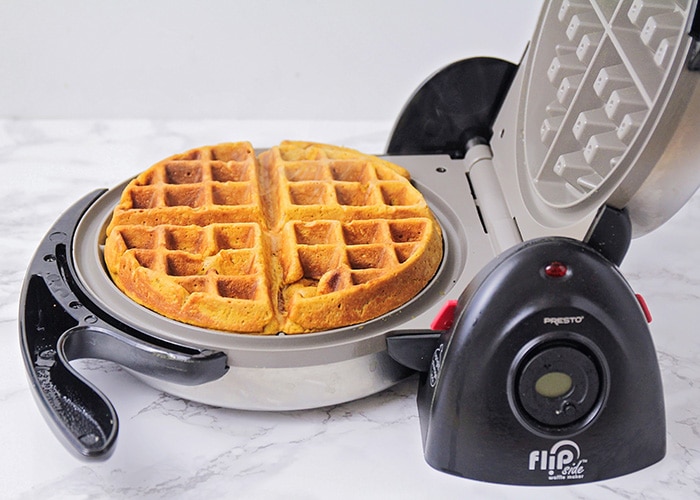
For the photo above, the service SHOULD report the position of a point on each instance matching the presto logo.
(562, 461)
(563, 320)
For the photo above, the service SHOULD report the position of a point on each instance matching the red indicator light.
(556, 270)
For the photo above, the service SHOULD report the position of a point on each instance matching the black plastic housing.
(480, 414)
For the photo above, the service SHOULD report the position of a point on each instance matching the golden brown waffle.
(307, 237)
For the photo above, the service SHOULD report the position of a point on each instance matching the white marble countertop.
(370, 448)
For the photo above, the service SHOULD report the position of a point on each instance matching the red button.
(645, 308)
(446, 316)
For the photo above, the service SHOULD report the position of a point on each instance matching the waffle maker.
(535, 358)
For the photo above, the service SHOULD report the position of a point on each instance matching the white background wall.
(262, 59)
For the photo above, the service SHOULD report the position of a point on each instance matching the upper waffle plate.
(605, 89)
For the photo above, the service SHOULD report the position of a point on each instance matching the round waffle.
(304, 237)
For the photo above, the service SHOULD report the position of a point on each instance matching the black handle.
(413, 349)
(58, 324)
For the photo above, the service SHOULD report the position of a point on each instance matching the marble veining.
(371, 448)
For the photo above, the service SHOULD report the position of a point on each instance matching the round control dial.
(558, 386)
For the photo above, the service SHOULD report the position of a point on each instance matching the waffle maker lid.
(602, 111)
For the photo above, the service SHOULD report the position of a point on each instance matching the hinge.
(610, 233)
(500, 225)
